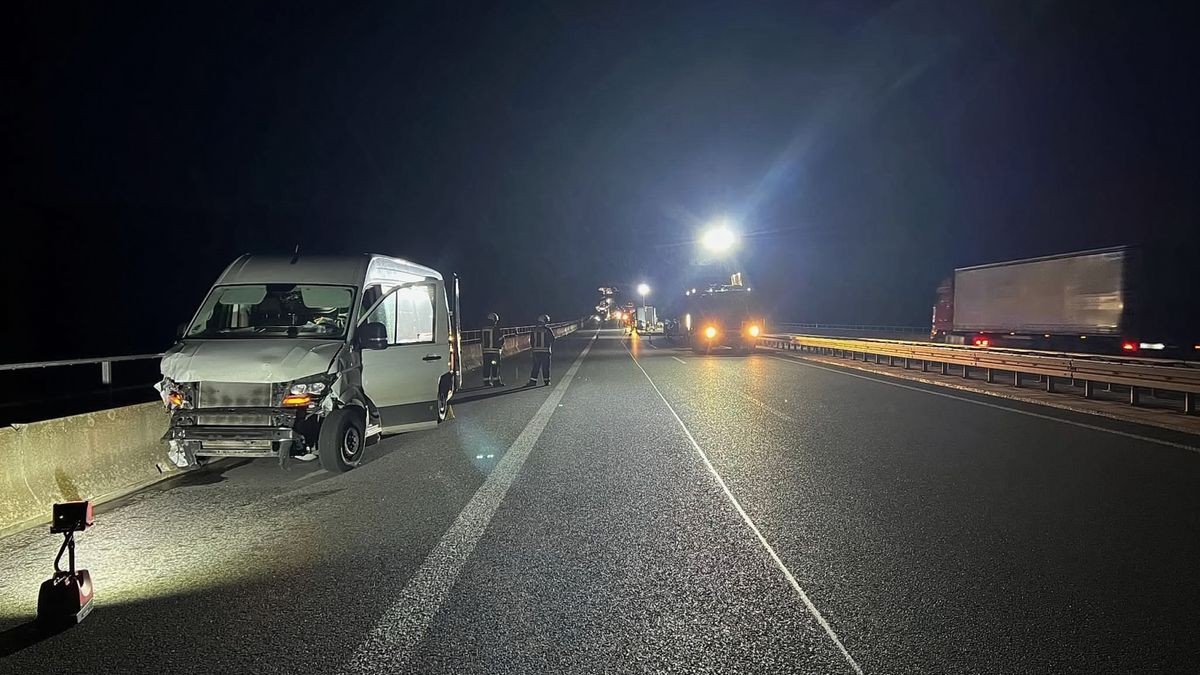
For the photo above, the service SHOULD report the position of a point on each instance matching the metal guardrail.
(468, 336)
(106, 362)
(1090, 369)
(847, 328)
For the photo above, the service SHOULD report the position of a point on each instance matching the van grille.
(234, 395)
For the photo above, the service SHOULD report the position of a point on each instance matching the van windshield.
(274, 311)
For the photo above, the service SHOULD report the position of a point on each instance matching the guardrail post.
(1089, 389)
(106, 372)
(990, 377)
(1133, 396)
(924, 366)
(966, 372)
(1049, 383)
(907, 363)
(1017, 379)
(945, 368)
(1189, 403)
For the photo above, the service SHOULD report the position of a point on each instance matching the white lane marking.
(791, 578)
(679, 360)
(651, 345)
(985, 404)
(310, 474)
(396, 635)
(781, 415)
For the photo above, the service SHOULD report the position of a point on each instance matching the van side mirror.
(372, 335)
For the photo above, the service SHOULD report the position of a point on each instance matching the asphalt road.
(673, 513)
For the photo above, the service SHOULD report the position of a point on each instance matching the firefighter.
(492, 341)
(540, 341)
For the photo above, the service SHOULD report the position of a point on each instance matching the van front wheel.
(341, 442)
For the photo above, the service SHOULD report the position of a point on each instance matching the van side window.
(385, 314)
(414, 314)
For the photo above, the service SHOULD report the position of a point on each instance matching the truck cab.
(725, 316)
(310, 358)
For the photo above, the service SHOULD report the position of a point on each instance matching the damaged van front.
(272, 365)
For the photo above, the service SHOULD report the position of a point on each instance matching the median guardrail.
(1089, 369)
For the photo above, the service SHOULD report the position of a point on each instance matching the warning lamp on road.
(753, 331)
(710, 332)
(1128, 346)
(66, 597)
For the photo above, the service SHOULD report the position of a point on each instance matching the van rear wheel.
(341, 442)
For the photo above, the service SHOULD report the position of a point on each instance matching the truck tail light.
(981, 341)
(1128, 346)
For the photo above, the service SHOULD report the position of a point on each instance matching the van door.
(402, 379)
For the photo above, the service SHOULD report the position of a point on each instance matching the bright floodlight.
(719, 238)
(643, 289)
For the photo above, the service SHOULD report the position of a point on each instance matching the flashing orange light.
(754, 330)
(297, 400)
(1129, 346)
(175, 399)
(710, 332)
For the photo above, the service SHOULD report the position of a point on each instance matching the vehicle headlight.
(304, 392)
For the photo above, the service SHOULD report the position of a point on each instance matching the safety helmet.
(493, 318)
(545, 318)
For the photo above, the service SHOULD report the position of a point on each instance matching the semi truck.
(1123, 300)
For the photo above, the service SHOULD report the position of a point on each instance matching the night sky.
(542, 150)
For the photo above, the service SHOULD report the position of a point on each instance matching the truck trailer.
(1122, 300)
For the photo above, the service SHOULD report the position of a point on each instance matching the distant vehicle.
(307, 357)
(647, 318)
(723, 316)
(1113, 300)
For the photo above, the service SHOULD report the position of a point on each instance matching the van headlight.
(177, 395)
(304, 392)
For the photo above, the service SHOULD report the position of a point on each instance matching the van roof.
(348, 270)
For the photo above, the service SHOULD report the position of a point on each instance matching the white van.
(310, 357)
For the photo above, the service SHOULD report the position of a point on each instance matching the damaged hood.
(257, 360)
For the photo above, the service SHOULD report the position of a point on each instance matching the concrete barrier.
(106, 454)
(97, 456)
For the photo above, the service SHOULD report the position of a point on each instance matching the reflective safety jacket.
(492, 340)
(541, 339)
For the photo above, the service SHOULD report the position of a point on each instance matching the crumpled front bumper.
(232, 434)
(189, 437)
